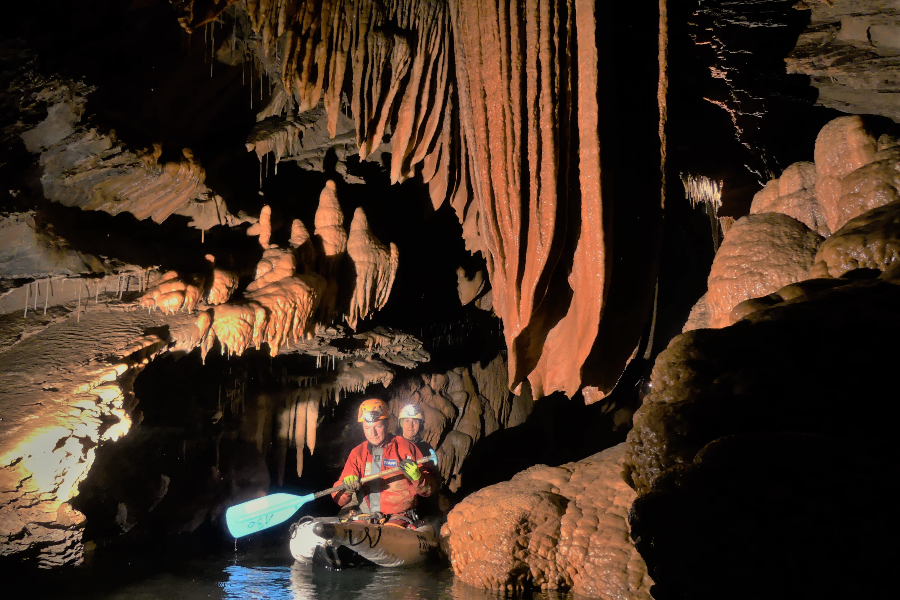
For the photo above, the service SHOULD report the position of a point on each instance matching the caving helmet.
(372, 410)
(412, 411)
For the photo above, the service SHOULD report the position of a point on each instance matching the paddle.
(268, 511)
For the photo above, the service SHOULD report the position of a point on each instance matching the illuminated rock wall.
(551, 527)
(517, 177)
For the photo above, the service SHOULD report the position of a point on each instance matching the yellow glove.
(410, 469)
(351, 483)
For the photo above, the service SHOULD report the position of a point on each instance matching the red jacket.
(394, 494)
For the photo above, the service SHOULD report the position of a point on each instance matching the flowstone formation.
(551, 527)
(735, 450)
(426, 73)
(760, 254)
(852, 189)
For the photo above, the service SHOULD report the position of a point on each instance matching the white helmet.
(412, 411)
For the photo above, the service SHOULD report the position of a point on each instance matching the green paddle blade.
(262, 513)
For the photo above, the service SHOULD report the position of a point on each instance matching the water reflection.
(301, 582)
(254, 575)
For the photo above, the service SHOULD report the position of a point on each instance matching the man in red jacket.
(395, 496)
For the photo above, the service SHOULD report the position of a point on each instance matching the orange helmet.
(372, 410)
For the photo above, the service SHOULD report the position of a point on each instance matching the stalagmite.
(329, 229)
(330, 240)
(376, 267)
(276, 264)
(174, 292)
(265, 226)
(223, 286)
(303, 247)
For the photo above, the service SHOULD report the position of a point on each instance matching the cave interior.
(636, 262)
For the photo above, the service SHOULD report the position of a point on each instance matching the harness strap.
(372, 501)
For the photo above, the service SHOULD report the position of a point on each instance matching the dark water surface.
(269, 574)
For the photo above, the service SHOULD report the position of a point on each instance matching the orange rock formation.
(376, 267)
(760, 254)
(499, 162)
(551, 527)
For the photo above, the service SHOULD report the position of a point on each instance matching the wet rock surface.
(551, 527)
(745, 431)
(760, 254)
(793, 194)
(869, 241)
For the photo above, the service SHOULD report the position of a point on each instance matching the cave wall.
(851, 52)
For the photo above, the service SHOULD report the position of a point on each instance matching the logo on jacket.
(390, 462)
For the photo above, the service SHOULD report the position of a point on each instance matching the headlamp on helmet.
(412, 411)
(372, 410)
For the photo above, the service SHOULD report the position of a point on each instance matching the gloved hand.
(351, 483)
(410, 469)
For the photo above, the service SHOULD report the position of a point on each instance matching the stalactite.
(312, 420)
(300, 429)
(285, 426)
(496, 137)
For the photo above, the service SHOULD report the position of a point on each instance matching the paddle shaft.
(369, 478)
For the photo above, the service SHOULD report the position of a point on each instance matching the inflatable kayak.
(384, 545)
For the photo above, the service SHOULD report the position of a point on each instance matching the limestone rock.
(851, 51)
(469, 288)
(27, 253)
(760, 254)
(97, 172)
(173, 293)
(376, 267)
(551, 527)
(843, 146)
(51, 431)
(223, 285)
(289, 303)
(698, 317)
(745, 430)
(795, 358)
(869, 241)
(794, 195)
